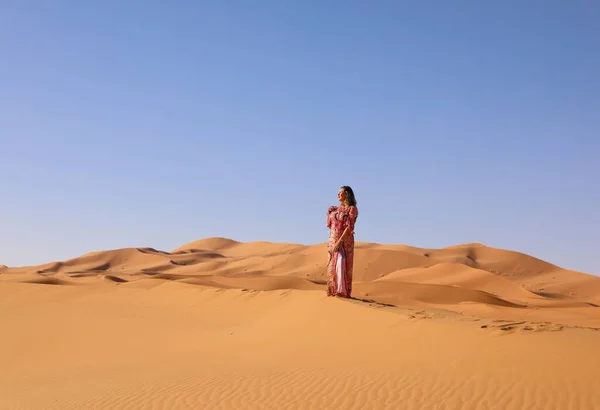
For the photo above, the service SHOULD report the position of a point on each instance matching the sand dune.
(455, 278)
(218, 323)
(460, 275)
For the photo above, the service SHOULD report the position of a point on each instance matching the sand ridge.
(457, 278)
(219, 323)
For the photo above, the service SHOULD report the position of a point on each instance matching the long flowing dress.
(341, 262)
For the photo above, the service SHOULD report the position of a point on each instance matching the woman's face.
(342, 195)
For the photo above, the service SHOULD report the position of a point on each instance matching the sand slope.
(510, 276)
(222, 324)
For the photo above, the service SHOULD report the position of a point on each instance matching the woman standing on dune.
(340, 221)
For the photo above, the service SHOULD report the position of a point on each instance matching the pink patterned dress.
(340, 264)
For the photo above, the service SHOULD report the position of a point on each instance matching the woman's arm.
(339, 241)
(329, 211)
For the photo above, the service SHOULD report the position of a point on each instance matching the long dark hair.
(350, 198)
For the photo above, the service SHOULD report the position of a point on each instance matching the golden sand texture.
(222, 324)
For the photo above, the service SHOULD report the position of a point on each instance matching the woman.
(340, 221)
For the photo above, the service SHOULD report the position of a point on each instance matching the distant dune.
(494, 274)
(198, 326)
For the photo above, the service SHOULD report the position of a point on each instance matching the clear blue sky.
(155, 123)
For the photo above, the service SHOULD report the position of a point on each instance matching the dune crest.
(214, 244)
(462, 278)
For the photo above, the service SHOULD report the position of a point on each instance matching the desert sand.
(222, 324)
